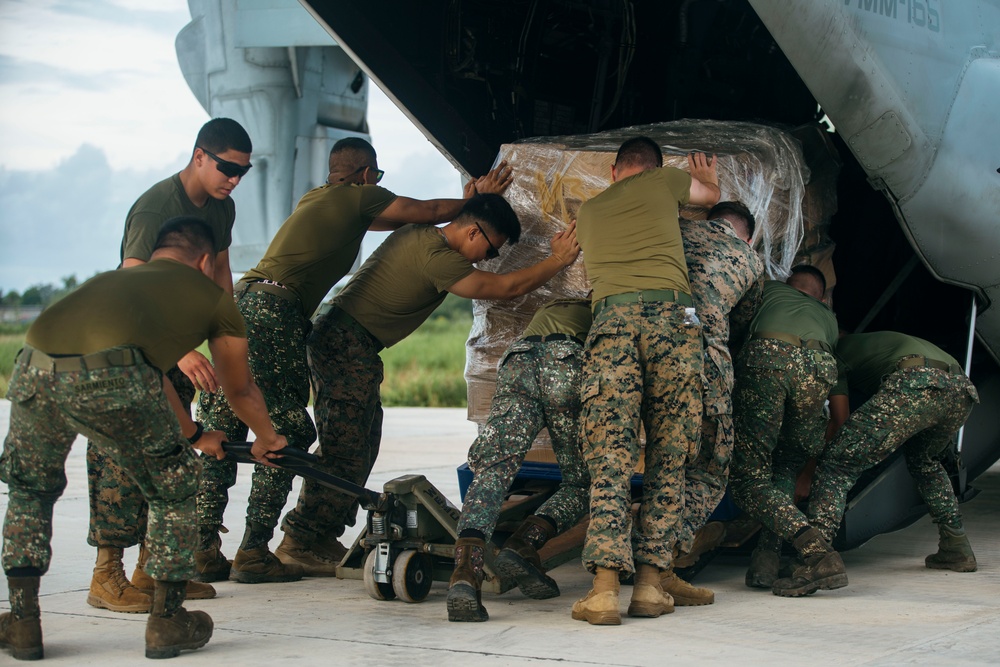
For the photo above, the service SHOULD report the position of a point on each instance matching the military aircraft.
(907, 87)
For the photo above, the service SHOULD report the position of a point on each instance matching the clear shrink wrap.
(761, 166)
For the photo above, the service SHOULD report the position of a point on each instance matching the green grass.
(427, 368)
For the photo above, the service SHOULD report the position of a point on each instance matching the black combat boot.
(822, 567)
(465, 587)
(21, 627)
(170, 627)
(954, 551)
(518, 559)
(765, 561)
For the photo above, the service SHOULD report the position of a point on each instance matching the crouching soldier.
(93, 364)
(538, 385)
(919, 398)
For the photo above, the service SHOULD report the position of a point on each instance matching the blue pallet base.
(533, 471)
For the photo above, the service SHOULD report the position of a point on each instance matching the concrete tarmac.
(894, 612)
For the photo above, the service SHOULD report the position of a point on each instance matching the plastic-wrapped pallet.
(759, 165)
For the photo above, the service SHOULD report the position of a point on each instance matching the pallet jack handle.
(301, 463)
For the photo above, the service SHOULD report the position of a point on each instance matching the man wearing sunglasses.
(219, 159)
(314, 248)
(393, 292)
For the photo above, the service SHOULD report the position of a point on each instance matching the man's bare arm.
(704, 180)
(500, 286)
(223, 273)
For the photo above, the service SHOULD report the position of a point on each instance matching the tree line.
(39, 295)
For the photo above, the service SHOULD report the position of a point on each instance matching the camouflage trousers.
(538, 386)
(346, 373)
(778, 416)
(642, 365)
(276, 333)
(118, 510)
(706, 477)
(124, 412)
(918, 409)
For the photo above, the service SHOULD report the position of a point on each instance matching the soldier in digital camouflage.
(784, 374)
(219, 160)
(93, 364)
(920, 397)
(642, 365)
(393, 293)
(538, 386)
(726, 285)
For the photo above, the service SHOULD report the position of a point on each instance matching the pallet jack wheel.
(412, 575)
(376, 589)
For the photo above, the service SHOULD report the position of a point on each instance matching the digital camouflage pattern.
(118, 511)
(918, 409)
(538, 385)
(778, 404)
(346, 374)
(641, 363)
(124, 412)
(276, 333)
(725, 275)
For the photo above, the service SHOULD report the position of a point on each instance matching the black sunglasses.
(379, 173)
(492, 253)
(228, 169)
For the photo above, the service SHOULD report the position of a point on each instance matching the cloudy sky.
(94, 110)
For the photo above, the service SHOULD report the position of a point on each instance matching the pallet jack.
(411, 528)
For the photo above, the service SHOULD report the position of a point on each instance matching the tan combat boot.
(21, 627)
(954, 551)
(109, 589)
(648, 598)
(707, 538)
(146, 584)
(170, 627)
(822, 568)
(518, 559)
(465, 602)
(600, 607)
(683, 593)
(209, 563)
(320, 560)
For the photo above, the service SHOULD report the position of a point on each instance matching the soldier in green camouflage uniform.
(919, 399)
(725, 280)
(783, 377)
(538, 386)
(202, 190)
(93, 364)
(643, 365)
(394, 291)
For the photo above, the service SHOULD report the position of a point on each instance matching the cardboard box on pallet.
(759, 165)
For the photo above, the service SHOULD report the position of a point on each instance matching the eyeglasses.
(228, 169)
(379, 173)
(492, 253)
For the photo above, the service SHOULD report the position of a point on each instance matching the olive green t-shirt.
(318, 243)
(869, 357)
(785, 309)
(630, 236)
(402, 282)
(164, 308)
(166, 200)
(562, 316)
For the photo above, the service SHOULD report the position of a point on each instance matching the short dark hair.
(351, 154)
(495, 212)
(222, 134)
(191, 235)
(735, 208)
(809, 270)
(639, 152)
